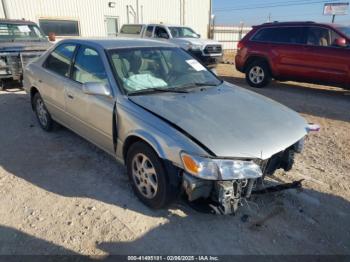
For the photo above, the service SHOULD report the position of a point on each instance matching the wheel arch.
(145, 138)
(33, 90)
(254, 58)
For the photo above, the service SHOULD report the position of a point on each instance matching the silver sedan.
(173, 123)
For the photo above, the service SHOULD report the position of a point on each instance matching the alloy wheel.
(144, 176)
(41, 112)
(256, 75)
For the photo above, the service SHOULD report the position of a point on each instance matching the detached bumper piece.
(278, 188)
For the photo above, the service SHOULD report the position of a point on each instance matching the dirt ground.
(61, 195)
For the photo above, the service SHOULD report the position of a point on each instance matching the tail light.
(240, 45)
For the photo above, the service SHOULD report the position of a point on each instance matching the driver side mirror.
(340, 42)
(98, 89)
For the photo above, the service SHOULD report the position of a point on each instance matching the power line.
(273, 5)
(265, 3)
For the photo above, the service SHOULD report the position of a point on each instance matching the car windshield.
(20, 32)
(345, 30)
(155, 69)
(181, 32)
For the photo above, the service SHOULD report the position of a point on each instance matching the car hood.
(229, 120)
(24, 46)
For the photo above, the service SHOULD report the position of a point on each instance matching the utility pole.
(211, 27)
(333, 18)
(4, 8)
(269, 18)
(137, 12)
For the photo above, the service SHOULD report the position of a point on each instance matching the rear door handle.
(70, 96)
(40, 81)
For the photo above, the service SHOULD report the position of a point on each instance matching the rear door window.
(60, 59)
(288, 35)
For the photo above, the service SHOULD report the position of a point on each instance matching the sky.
(252, 12)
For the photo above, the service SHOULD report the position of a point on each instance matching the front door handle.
(70, 96)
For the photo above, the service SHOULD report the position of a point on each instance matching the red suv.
(296, 51)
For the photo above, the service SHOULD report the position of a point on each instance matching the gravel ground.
(61, 195)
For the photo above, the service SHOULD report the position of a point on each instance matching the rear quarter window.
(290, 35)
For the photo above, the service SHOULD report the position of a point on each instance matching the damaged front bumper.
(228, 193)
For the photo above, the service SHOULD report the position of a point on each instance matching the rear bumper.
(239, 63)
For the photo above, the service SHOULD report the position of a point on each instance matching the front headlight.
(220, 169)
(194, 47)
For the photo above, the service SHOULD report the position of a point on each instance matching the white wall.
(192, 13)
(91, 13)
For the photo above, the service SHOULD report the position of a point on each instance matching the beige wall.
(91, 13)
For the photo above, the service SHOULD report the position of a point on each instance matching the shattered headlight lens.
(220, 169)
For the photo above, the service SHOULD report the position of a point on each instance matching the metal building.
(100, 18)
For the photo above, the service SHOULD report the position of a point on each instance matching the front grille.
(213, 49)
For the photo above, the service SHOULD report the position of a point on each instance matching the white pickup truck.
(208, 52)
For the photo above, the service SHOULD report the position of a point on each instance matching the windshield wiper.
(190, 85)
(156, 90)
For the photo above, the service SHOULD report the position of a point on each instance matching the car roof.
(168, 25)
(155, 24)
(133, 24)
(297, 23)
(16, 22)
(118, 43)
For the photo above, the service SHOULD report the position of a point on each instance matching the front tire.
(258, 74)
(42, 114)
(148, 176)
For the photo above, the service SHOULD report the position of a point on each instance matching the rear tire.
(42, 114)
(148, 176)
(258, 74)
